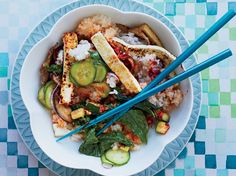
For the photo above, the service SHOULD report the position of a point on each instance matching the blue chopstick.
(217, 58)
(202, 39)
(213, 60)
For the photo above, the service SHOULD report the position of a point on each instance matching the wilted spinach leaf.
(136, 122)
(91, 145)
(96, 146)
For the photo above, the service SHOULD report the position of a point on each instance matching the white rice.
(131, 39)
(59, 59)
(81, 51)
(112, 80)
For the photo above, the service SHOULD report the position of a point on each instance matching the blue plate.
(21, 115)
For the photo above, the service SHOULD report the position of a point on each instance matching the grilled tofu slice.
(113, 62)
(70, 41)
(145, 30)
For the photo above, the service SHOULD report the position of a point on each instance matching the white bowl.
(66, 152)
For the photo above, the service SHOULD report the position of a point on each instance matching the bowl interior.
(66, 152)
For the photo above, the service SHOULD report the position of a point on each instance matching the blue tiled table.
(212, 148)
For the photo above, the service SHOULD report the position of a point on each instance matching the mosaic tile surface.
(212, 148)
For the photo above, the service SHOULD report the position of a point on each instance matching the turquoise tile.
(12, 148)
(205, 85)
(189, 162)
(179, 172)
(232, 5)
(4, 60)
(159, 6)
(33, 171)
(3, 72)
(204, 110)
(180, 9)
(211, 8)
(209, 21)
(210, 161)
(222, 172)
(220, 135)
(183, 154)
(190, 21)
(231, 162)
(22, 161)
(200, 9)
(199, 148)
(3, 134)
(201, 124)
(200, 172)
(200, 1)
(170, 9)
(213, 98)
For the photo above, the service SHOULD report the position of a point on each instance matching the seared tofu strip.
(147, 31)
(114, 63)
(70, 41)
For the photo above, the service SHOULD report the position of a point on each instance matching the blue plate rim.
(21, 115)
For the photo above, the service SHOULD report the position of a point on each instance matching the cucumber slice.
(48, 93)
(101, 73)
(104, 160)
(117, 157)
(41, 96)
(83, 72)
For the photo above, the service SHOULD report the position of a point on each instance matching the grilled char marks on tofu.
(70, 41)
(114, 63)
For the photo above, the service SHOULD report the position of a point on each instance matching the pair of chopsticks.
(153, 87)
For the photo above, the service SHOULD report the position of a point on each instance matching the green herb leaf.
(136, 122)
(94, 146)
(56, 69)
(92, 108)
(120, 97)
(90, 146)
(106, 140)
(95, 55)
(147, 107)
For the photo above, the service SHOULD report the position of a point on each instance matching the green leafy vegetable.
(77, 106)
(90, 146)
(120, 97)
(96, 146)
(56, 69)
(147, 107)
(95, 55)
(136, 122)
(92, 108)
(108, 139)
